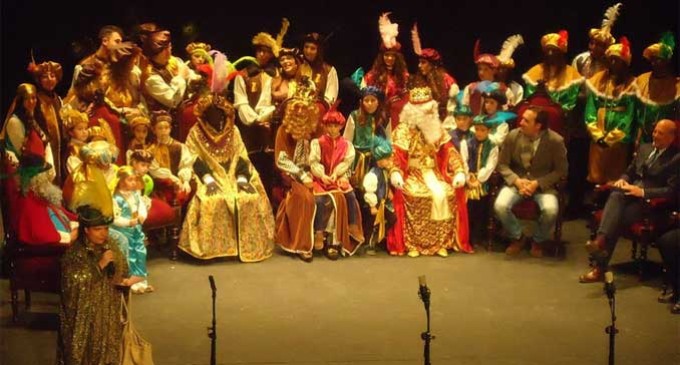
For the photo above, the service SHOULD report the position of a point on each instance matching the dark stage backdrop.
(66, 32)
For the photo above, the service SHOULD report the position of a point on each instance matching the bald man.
(653, 174)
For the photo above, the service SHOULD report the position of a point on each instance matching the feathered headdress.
(620, 50)
(603, 34)
(559, 40)
(388, 33)
(664, 49)
(487, 58)
(430, 54)
(39, 69)
(508, 48)
(266, 39)
(223, 71)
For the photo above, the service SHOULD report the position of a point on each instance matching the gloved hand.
(459, 180)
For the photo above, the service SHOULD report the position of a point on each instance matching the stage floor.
(486, 309)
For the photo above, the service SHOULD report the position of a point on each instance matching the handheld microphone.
(110, 268)
(609, 287)
(212, 283)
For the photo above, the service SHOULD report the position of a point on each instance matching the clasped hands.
(629, 189)
(526, 187)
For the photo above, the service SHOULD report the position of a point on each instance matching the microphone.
(212, 283)
(110, 268)
(424, 291)
(609, 286)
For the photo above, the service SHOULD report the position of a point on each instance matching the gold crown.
(72, 117)
(419, 95)
(198, 46)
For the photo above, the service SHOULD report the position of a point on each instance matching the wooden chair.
(166, 220)
(643, 233)
(527, 209)
(31, 268)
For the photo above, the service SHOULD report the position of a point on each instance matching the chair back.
(542, 99)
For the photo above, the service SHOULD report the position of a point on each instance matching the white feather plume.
(415, 38)
(610, 17)
(509, 47)
(388, 30)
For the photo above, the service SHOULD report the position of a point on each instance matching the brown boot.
(595, 275)
(318, 241)
(536, 250)
(515, 246)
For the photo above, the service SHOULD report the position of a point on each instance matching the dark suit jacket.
(548, 165)
(660, 178)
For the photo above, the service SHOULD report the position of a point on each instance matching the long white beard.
(425, 117)
(45, 189)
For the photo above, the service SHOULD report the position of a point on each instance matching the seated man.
(653, 174)
(532, 160)
(41, 217)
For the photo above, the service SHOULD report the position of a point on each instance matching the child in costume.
(139, 126)
(487, 69)
(507, 65)
(462, 133)
(337, 209)
(76, 125)
(481, 161)
(389, 72)
(494, 97)
(362, 126)
(129, 213)
(378, 197)
(173, 161)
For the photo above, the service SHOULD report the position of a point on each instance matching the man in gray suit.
(533, 159)
(653, 174)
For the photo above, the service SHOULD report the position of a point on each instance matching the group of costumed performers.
(256, 154)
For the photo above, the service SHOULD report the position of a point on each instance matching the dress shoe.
(333, 252)
(443, 252)
(596, 247)
(306, 256)
(516, 246)
(593, 276)
(413, 253)
(666, 297)
(536, 250)
(675, 309)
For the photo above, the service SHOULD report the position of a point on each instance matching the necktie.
(652, 157)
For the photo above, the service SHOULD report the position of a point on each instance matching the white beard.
(425, 117)
(43, 187)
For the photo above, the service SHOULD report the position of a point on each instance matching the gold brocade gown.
(231, 222)
(90, 325)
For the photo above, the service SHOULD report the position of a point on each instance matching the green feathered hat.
(663, 50)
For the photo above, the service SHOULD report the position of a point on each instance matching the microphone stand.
(212, 331)
(611, 330)
(427, 337)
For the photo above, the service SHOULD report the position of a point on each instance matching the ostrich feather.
(282, 33)
(388, 30)
(610, 17)
(415, 38)
(509, 47)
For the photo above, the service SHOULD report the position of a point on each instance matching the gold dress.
(91, 330)
(230, 222)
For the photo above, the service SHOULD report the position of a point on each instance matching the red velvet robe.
(34, 224)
